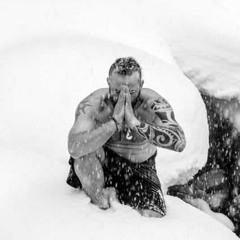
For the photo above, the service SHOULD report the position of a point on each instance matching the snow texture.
(53, 54)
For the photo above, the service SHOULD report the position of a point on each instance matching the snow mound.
(45, 79)
(36, 204)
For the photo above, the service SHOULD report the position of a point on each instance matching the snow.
(52, 54)
(204, 37)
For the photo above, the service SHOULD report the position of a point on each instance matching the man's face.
(133, 81)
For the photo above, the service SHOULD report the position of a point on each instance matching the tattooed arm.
(165, 132)
(84, 137)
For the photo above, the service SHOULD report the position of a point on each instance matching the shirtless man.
(114, 140)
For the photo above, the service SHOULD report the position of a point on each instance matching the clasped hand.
(123, 111)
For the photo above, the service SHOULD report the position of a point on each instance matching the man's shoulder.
(152, 98)
(97, 95)
(90, 104)
(99, 92)
(149, 94)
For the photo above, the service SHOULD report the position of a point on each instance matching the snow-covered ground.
(54, 53)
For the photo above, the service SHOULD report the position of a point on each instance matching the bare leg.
(90, 173)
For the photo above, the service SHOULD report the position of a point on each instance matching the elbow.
(74, 149)
(72, 153)
(180, 146)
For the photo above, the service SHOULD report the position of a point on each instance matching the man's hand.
(130, 119)
(118, 112)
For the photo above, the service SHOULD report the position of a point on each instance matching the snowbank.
(44, 82)
(36, 204)
(62, 57)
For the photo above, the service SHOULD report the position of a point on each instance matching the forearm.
(166, 137)
(83, 143)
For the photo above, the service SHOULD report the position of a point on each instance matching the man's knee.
(90, 159)
(89, 167)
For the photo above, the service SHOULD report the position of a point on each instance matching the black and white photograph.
(120, 119)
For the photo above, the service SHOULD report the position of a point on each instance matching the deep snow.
(52, 54)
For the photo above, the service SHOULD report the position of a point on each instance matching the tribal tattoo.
(169, 134)
(81, 107)
(162, 136)
(160, 104)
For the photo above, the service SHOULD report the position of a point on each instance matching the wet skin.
(130, 105)
(144, 119)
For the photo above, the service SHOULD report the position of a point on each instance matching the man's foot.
(184, 191)
(100, 200)
(150, 213)
(103, 200)
(110, 194)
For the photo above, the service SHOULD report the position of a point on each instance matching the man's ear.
(141, 83)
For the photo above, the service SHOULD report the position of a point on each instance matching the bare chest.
(127, 135)
(128, 143)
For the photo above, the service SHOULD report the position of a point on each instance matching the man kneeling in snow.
(113, 142)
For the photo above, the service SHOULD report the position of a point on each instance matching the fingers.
(125, 94)
(122, 95)
(124, 89)
(128, 100)
(120, 106)
(124, 98)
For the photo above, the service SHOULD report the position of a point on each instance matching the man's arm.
(165, 132)
(83, 143)
(84, 137)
